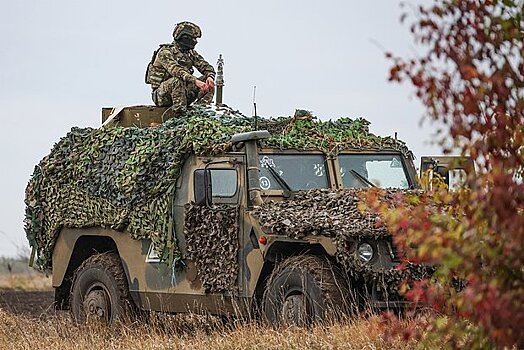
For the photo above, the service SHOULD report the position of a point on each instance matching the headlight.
(365, 252)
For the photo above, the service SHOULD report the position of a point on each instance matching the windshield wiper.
(362, 178)
(279, 178)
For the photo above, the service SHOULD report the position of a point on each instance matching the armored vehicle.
(454, 171)
(235, 218)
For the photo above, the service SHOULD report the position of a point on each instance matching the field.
(28, 321)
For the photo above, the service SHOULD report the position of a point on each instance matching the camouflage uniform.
(171, 76)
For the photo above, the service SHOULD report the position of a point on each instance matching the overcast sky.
(62, 61)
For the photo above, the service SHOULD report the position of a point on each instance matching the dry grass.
(27, 281)
(191, 332)
(57, 331)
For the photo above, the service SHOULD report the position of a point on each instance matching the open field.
(31, 304)
(16, 274)
(25, 282)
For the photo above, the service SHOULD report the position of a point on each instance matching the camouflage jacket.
(169, 62)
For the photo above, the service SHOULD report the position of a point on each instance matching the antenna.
(220, 80)
(255, 106)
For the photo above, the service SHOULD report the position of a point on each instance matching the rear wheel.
(305, 289)
(100, 291)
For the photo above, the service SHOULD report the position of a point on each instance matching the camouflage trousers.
(179, 94)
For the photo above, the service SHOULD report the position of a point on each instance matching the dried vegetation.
(194, 332)
(25, 281)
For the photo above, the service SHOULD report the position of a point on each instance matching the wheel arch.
(281, 250)
(72, 248)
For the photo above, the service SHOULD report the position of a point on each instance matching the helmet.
(187, 28)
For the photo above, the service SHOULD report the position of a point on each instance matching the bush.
(470, 78)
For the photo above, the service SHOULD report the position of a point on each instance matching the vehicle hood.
(323, 212)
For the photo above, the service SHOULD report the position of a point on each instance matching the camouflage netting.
(123, 178)
(306, 132)
(212, 233)
(336, 214)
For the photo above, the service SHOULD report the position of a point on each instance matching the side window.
(224, 182)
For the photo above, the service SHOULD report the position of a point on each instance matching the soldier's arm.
(167, 61)
(203, 66)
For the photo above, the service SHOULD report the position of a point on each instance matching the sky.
(61, 61)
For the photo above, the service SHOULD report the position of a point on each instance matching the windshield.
(299, 172)
(367, 170)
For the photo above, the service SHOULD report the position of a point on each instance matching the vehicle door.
(212, 228)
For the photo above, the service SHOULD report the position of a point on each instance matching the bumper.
(385, 285)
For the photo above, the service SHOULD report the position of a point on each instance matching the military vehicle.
(230, 223)
(454, 171)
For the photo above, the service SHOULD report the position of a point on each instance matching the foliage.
(124, 178)
(471, 80)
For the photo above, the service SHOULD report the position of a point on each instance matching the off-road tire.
(305, 289)
(103, 277)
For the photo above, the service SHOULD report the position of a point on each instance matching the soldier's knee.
(178, 83)
(161, 99)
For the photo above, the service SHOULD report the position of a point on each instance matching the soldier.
(170, 72)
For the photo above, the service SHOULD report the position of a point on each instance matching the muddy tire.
(100, 291)
(303, 290)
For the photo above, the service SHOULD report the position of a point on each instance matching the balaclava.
(186, 42)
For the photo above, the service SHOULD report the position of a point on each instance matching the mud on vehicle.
(256, 219)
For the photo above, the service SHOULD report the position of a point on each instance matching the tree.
(471, 81)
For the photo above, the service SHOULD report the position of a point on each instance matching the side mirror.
(202, 187)
(250, 136)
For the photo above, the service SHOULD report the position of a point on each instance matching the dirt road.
(34, 304)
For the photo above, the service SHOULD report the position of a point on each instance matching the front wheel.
(100, 291)
(305, 289)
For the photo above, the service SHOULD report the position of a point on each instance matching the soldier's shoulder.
(163, 47)
(165, 50)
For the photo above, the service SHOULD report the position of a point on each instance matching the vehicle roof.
(334, 136)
